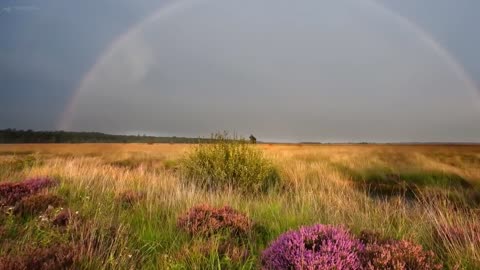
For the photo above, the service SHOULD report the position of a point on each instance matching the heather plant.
(12, 192)
(389, 254)
(58, 256)
(400, 255)
(37, 203)
(314, 247)
(205, 220)
(330, 247)
(229, 162)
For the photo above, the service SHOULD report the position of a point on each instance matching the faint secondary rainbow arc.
(163, 12)
(176, 6)
(430, 41)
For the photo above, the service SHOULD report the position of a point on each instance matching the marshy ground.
(117, 206)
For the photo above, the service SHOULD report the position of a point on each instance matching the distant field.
(413, 192)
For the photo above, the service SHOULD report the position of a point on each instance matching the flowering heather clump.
(37, 203)
(51, 258)
(400, 255)
(37, 184)
(206, 220)
(380, 254)
(314, 247)
(12, 192)
(328, 247)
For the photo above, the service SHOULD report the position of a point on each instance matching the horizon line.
(268, 141)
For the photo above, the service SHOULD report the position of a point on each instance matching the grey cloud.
(347, 73)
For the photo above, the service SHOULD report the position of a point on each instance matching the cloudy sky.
(307, 70)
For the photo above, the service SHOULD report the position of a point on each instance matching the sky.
(306, 70)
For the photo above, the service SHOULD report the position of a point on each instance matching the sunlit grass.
(321, 189)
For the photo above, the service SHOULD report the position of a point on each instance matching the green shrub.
(229, 162)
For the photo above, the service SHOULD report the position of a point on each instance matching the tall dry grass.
(322, 189)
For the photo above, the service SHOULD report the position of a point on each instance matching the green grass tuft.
(229, 163)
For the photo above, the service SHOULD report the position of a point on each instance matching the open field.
(426, 194)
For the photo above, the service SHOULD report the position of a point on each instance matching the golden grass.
(321, 191)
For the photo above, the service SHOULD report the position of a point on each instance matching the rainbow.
(179, 5)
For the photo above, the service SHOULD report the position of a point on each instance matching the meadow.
(117, 206)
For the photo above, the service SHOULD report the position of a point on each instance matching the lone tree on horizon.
(253, 140)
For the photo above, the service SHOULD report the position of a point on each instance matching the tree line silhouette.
(30, 136)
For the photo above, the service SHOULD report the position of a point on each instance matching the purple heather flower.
(314, 247)
(11, 192)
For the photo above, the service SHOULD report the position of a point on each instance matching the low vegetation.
(12, 192)
(315, 247)
(36, 204)
(205, 220)
(331, 247)
(382, 253)
(48, 258)
(230, 163)
(166, 206)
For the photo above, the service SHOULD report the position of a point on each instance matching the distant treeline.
(30, 136)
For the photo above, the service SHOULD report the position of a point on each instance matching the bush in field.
(50, 258)
(381, 253)
(204, 220)
(37, 203)
(12, 192)
(229, 162)
(314, 247)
